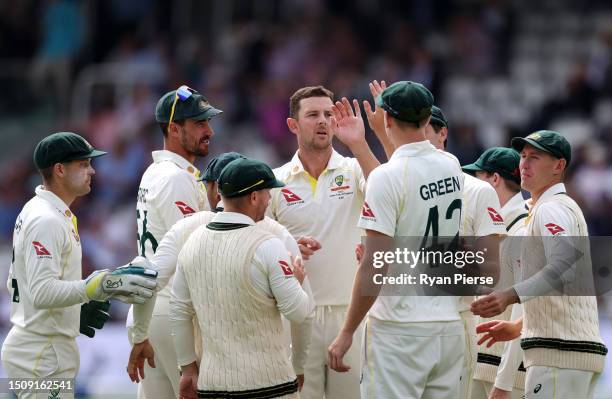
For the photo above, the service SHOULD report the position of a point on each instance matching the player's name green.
(440, 187)
(431, 281)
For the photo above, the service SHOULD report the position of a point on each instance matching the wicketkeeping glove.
(93, 315)
(131, 283)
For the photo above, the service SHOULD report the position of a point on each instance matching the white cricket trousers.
(163, 380)
(555, 383)
(412, 360)
(29, 355)
(319, 380)
(469, 361)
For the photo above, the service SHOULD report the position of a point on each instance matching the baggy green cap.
(216, 165)
(407, 101)
(242, 176)
(195, 106)
(502, 160)
(545, 140)
(63, 147)
(438, 117)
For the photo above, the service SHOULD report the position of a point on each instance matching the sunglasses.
(182, 93)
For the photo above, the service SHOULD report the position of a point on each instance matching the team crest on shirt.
(554, 229)
(184, 208)
(340, 186)
(291, 197)
(286, 268)
(41, 251)
(495, 216)
(366, 211)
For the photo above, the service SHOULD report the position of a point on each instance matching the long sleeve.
(164, 262)
(273, 275)
(560, 252)
(180, 317)
(301, 336)
(43, 264)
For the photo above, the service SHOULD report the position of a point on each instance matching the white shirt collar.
(232, 217)
(513, 203)
(54, 200)
(412, 148)
(165, 155)
(334, 162)
(552, 190)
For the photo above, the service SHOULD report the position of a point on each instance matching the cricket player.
(165, 260)
(237, 279)
(479, 217)
(563, 350)
(499, 372)
(45, 273)
(170, 190)
(322, 198)
(413, 345)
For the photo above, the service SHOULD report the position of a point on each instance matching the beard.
(193, 147)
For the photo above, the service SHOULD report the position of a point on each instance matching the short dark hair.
(307, 92)
(164, 126)
(510, 184)
(437, 128)
(47, 174)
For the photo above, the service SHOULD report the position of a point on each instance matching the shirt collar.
(553, 190)
(232, 217)
(412, 149)
(335, 161)
(54, 200)
(514, 203)
(165, 155)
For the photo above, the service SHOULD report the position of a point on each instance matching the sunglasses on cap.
(182, 93)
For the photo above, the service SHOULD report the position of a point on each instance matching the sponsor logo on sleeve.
(495, 216)
(184, 208)
(366, 211)
(291, 197)
(554, 229)
(286, 268)
(40, 249)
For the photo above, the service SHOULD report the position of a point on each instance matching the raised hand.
(375, 114)
(347, 123)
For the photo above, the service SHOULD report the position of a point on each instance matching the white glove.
(131, 283)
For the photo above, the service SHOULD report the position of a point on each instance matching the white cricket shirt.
(405, 197)
(169, 191)
(45, 275)
(326, 208)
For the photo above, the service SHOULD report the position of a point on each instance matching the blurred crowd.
(498, 68)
